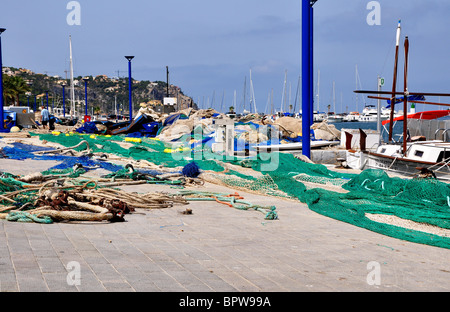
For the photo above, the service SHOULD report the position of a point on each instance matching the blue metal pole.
(311, 62)
(64, 100)
(130, 86)
(85, 99)
(2, 118)
(306, 90)
(46, 96)
(35, 103)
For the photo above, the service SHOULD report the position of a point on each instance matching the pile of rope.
(54, 198)
(69, 150)
(232, 200)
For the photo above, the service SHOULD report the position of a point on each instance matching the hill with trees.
(22, 86)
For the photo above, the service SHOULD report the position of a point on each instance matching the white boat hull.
(294, 146)
(335, 119)
(372, 118)
(436, 159)
(351, 118)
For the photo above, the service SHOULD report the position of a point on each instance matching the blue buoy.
(191, 170)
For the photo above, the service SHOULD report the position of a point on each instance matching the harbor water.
(397, 131)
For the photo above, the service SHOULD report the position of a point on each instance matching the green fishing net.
(372, 192)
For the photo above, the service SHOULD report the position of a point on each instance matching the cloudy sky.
(210, 46)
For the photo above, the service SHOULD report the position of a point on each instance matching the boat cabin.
(426, 151)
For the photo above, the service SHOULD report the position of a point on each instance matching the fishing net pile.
(416, 210)
(65, 195)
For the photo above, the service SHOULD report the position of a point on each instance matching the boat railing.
(444, 132)
(443, 163)
(444, 137)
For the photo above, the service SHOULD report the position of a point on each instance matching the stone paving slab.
(216, 249)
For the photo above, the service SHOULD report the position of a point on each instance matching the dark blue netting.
(21, 151)
(87, 163)
(88, 127)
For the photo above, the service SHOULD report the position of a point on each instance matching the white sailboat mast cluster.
(72, 89)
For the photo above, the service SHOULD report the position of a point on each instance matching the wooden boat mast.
(405, 98)
(394, 83)
(405, 92)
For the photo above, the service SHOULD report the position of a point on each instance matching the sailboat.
(318, 116)
(417, 156)
(333, 117)
(282, 112)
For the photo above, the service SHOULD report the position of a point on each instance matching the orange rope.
(217, 200)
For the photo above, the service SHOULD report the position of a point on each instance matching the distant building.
(101, 77)
(111, 89)
(7, 71)
(26, 71)
(171, 101)
(154, 103)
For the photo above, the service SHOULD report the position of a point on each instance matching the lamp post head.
(86, 79)
(129, 58)
(2, 30)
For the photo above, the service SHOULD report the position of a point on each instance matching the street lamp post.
(130, 85)
(2, 118)
(46, 98)
(64, 99)
(86, 79)
(28, 94)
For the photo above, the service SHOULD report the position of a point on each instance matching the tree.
(14, 86)
(9, 93)
(97, 110)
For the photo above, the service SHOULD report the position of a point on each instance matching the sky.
(212, 46)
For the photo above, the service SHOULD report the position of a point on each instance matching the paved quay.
(215, 249)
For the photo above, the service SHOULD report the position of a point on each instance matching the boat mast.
(296, 94)
(394, 83)
(356, 82)
(283, 95)
(318, 92)
(72, 89)
(245, 91)
(334, 98)
(379, 111)
(405, 97)
(271, 102)
(290, 94)
(252, 93)
(234, 101)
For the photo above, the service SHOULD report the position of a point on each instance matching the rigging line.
(360, 85)
(391, 45)
(296, 95)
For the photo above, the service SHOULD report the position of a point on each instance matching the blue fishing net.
(21, 151)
